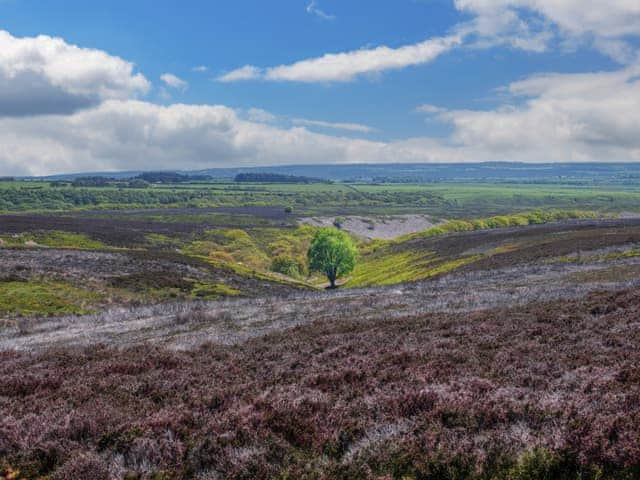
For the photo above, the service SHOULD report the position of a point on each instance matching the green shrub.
(290, 266)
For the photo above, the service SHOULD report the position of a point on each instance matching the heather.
(549, 390)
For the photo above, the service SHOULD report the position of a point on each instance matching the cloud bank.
(46, 75)
(554, 117)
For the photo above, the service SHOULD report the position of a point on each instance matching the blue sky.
(473, 83)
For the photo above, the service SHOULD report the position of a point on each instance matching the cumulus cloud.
(561, 117)
(248, 72)
(130, 134)
(351, 127)
(343, 67)
(44, 75)
(88, 120)
(174, 81)
(261, 116)
(611, 18)
(554, 117)
(532, 24)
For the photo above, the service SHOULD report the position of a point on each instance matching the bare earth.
(385, 228)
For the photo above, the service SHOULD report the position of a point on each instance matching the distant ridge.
(414, 173)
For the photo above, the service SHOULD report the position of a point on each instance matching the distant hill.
(579, 173)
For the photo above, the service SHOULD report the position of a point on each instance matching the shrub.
(287, 265)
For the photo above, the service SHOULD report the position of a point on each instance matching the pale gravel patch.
(376, 227)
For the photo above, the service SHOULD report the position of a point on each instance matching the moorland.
(168, 327)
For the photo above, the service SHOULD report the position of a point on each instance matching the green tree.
(333, 253)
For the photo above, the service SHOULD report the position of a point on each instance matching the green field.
(440, 200)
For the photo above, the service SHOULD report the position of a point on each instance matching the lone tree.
(333, 253)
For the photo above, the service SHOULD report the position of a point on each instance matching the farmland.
(488, 331)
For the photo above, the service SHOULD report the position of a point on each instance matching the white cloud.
(261, 116)
(351, 127)
(248, 72)
(532, 24)
(125, 135)
(42, 75)
(554, 117)
(430, 109)
(313, 9)
(343, 67)
(610, 18)
(174, 81)
(564, 117)
(200, 69)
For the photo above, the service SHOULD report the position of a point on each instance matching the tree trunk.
(332, 281)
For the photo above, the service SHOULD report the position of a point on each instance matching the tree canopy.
(333, 253)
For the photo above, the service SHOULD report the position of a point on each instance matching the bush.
(287, 265)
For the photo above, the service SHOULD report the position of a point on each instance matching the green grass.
(54, 239)
(394, 268)
(209, 291)
(396, 261)
(44, 298)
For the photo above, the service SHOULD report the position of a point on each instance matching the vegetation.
(205, 349)
(92, 182)
(274, 178)
(537, 217)
(54, 239)
(290, 266)
(407, 259)
(333, 253)
(44, 298)
(449, 201)
(170, 177)
(545, 391)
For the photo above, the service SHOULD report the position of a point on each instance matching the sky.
(147, 85)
